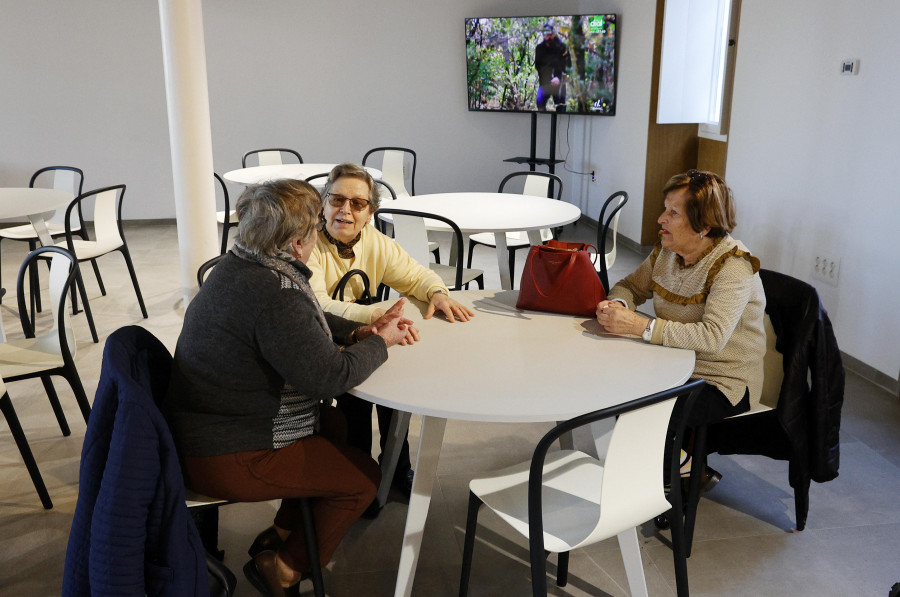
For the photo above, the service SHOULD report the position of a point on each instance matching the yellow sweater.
(714, 307)
(383, 260)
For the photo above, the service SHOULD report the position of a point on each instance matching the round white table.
(37, 205)
(505, 365)
(492, 212)
(258, 174)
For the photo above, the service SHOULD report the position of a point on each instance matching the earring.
(701, 236)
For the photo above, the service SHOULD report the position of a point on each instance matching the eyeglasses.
(698, 178)
(339, 200)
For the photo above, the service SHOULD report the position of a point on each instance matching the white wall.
(813, 158)
(83, 85)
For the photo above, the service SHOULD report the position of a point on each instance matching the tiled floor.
(744, 542)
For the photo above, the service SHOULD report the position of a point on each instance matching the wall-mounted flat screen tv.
(536, 64)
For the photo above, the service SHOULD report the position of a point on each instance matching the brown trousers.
(342, 479)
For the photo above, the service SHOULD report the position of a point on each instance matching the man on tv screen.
(551, 58)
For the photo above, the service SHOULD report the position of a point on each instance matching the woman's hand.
(618, 319)
(392, 326)
(451, 309)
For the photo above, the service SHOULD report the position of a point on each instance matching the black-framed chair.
(798, 418)
(65, 178)
(270, 157)
(110, 237)
(539, 184)
(48, 353)
(226, 217)
(411, 234)
(205, 267)
(608, 225)
(398, 164)
(565, 499)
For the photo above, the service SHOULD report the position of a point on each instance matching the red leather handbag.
(559, 277)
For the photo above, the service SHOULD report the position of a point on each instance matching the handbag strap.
(338, 293)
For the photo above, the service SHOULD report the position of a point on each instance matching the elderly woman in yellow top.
(707, 296)
(347, 242)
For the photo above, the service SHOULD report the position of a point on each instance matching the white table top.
(25, 201)
(507, 365)
(490, 212)
(258, 174)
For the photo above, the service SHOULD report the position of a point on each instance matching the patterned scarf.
(289, 267)
(345, 250)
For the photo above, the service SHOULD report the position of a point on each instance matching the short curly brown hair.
(710, 201)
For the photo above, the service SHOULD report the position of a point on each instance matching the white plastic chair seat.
(220, 217)
(572, 482)
(448, 274)
(197, 500)
(30, 355)
(27, 231)
(89, 249)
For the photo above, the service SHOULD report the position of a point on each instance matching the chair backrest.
(107, 216)
(226, 220)
(606, 223)
(61, 178)
(394, 169)
(773, 367)
(411, 234)
(271, 157)
(62, 278)
(632, 491)
(537, 184)
(203, 270)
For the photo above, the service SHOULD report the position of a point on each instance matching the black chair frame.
(281, 149)
(538, 555)
(512, 250)
(603, 222)
(226, 225)
(412, 177)
(456, 232)
(205, 267)
(123, 249)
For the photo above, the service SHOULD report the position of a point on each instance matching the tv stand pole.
(532, 160)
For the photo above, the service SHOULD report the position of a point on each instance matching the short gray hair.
(272, 214)
(355, 171)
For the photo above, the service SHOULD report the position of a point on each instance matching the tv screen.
(536, 64)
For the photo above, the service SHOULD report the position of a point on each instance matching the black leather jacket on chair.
(808, 415)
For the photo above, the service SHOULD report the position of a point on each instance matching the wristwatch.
(648, 331)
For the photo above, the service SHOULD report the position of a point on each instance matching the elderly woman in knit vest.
(255, 359)
(707, 296)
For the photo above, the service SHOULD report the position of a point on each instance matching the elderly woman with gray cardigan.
(255, 359)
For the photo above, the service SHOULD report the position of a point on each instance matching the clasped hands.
(616, 318)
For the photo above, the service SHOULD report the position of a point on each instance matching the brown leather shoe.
(262, 572)
(268, 539)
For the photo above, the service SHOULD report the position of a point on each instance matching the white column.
(190, 136)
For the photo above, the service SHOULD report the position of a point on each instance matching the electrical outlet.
(826, 268)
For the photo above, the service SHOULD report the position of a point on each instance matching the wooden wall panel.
(711, 156)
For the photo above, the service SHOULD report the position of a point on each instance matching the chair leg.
(71, 374)
(437, 255)
(25, 450)
(801, 503)
(35, 281)
(562, 569)
(57, 407)
(99, 279)
(137, 289)
(480, 281)
(698, 463)
(312, 547)
(79, 282)
(469, 543)
(472, 244)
